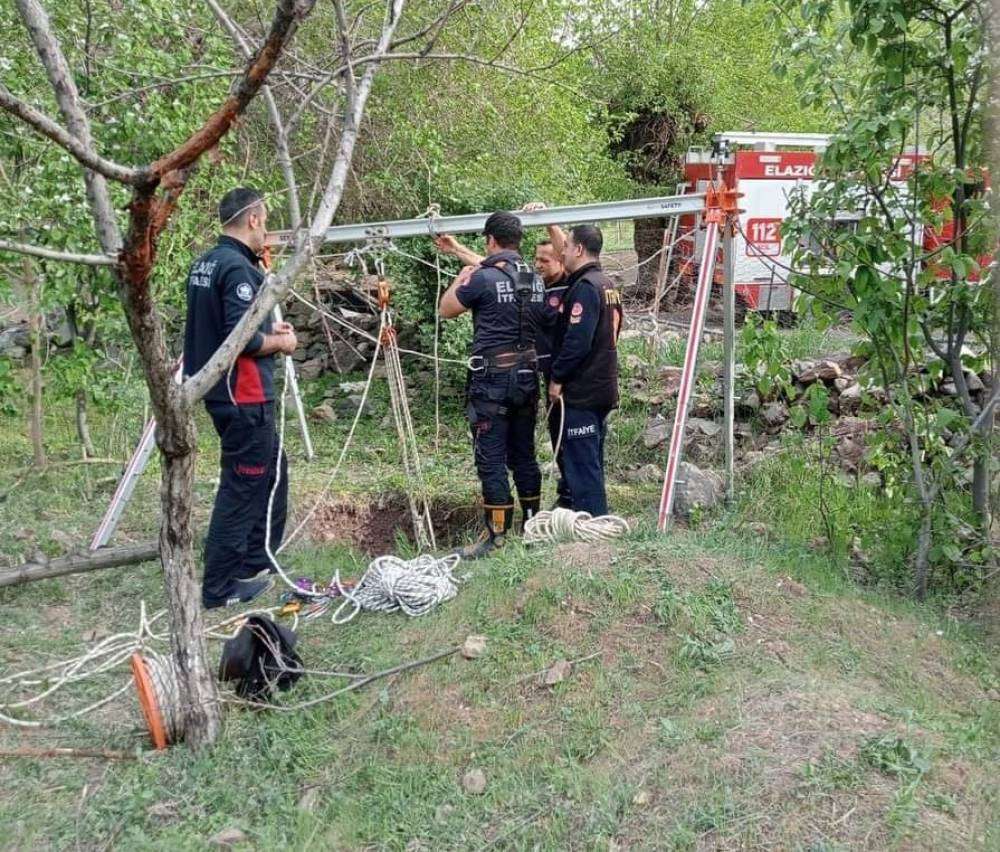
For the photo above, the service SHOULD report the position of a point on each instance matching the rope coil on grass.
(392, 584)
(561, 525)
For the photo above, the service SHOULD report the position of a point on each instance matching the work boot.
(242, 593)
(497, 521)
(530, 506)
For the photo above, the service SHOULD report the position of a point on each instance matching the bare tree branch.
(44, 125)
(286, 19)
(276, 286)
(52, 254)
(281, 139)
(36, 21)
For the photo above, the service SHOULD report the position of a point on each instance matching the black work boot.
(498, 520)
(530, 506)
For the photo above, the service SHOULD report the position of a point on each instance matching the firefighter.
(222, 284)
(506, 298)
(584, 373)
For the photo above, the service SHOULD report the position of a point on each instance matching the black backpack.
(260, 657)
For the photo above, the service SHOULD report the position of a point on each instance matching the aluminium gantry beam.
(429, 226)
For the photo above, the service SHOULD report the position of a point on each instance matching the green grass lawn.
(735, 689)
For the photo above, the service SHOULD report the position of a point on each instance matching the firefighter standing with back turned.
(506, 298)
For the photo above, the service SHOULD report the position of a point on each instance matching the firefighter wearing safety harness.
(506, 298)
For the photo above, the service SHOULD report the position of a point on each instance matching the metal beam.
(642, 208)
(769, 140)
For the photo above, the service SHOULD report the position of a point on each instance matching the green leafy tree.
(911, 76)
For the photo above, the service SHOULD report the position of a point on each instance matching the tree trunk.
(36, 411)
(921, 567)
(199, 695)
(647, 237)
(82, 427)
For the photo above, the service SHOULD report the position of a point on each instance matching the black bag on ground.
(260, 657)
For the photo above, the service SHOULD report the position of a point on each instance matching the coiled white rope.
(566, 525)
(392, 584)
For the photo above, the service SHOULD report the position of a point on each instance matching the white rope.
(391, 584)
(423, 526)
(561, 525)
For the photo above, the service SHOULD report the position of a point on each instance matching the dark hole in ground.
(373, 526)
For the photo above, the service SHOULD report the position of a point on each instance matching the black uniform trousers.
(581, 459)
(234, 546)
(555, 422)
(502, 406)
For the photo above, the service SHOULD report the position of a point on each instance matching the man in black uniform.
(585, 370)
(549, 264)
(221, 285)
(506, 299)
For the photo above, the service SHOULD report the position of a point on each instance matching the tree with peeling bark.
(366, 37)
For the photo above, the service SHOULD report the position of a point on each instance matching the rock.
(872, 480)
(850, 426)
(705, 406)
(671, 377)
(706, 427)
(851, 452)
(311, 369)
(228, 837)
(474, 646)
(974, 383)
(774, 413)
(15, 341)
(749, 403)
(352, 387)
(801, 367)
(323, 413)
(474, 782)
(696, 489)
(657, 432)
(557, 673)
(850, 397)
(343, 359)
(842, 383)
(309, 799)
(826, 371)
(349, 405)
(646, 473)
(948, 388)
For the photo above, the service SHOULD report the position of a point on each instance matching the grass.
(744, 693)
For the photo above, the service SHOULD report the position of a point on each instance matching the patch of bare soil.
(373, 526)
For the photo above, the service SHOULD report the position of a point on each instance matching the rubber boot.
(497, 520)
(530, 506)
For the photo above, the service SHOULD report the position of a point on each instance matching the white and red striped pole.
(701, 297)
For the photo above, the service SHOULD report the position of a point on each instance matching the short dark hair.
(590, 237)
(237, 203)
(505, 228)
